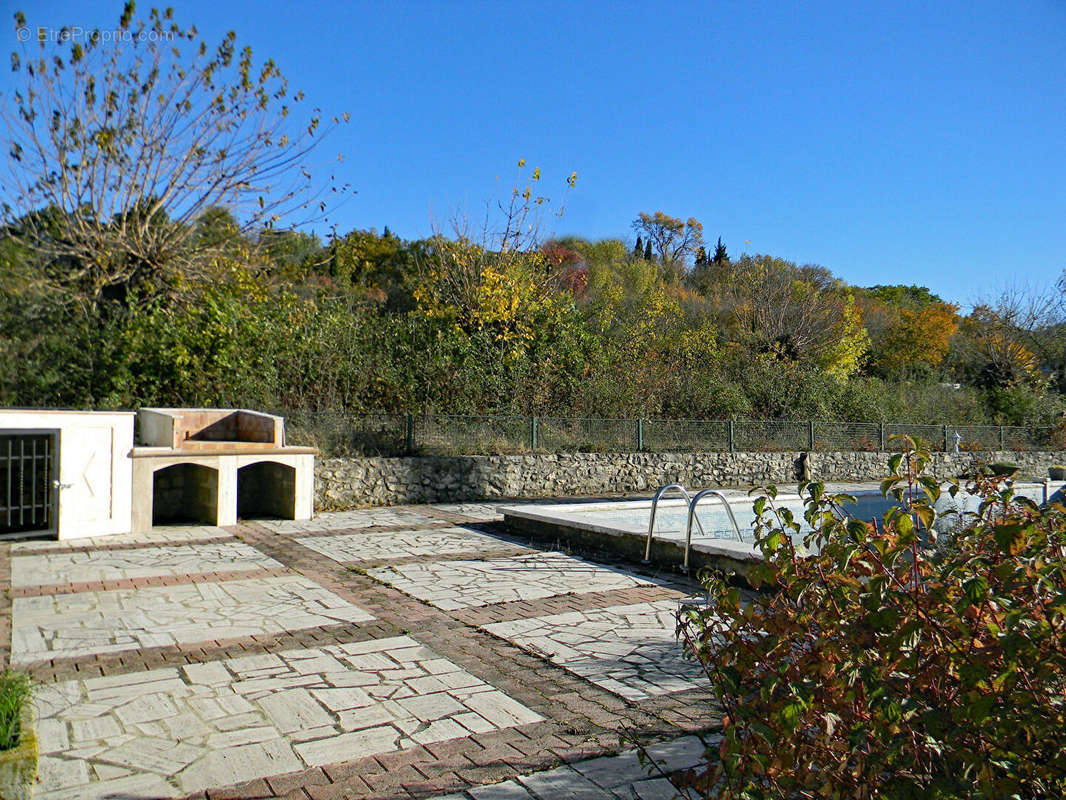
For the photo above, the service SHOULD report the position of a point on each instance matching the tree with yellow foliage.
(498, 278)
(847, 345)
(918, 336)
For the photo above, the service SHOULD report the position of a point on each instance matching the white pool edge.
(571, 515)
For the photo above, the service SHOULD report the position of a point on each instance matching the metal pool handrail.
(692, 515)
(654, 508)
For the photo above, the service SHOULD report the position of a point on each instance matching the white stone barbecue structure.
(75, 474)
(213, 465)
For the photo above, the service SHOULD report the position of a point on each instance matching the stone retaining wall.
(351, 482)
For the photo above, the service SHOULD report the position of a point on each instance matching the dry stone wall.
(352, 482)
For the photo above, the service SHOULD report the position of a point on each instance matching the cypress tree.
(638, 250)
(720, 255)
(647, 251)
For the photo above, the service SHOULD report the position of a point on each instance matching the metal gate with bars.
(27, 472)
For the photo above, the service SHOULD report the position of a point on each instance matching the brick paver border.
(5, 605)
(127, 661)
(582, 720)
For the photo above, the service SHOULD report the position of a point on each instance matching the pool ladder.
(692, 503)
(692, 515)
(655, 507)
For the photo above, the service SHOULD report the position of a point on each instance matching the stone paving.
(451, 585)
(160, 534)
(622, 777)
(264, 661)
(484, 511)
(355, 520)
(58, 567)
(215, 724)
(66, 625)
(386, 546)
(630, 650)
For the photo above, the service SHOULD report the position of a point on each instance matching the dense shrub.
(248, 339)
(886, 666)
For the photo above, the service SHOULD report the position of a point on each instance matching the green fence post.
(947, 448)
(732, 438)
(882, 437)
(533, 433)
(810, 435)
(409, 434)
(1002, 441)
(640, 435)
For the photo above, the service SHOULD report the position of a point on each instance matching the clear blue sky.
(911, 142)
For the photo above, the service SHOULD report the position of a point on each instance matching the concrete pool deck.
(399, 652)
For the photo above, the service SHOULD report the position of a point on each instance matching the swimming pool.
(622, 525)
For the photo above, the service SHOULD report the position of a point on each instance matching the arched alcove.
(266, 489)
(183, 493)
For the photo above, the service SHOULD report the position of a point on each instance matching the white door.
(86, 477)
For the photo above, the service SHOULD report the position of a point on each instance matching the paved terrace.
(383, 653)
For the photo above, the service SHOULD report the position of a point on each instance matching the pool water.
(671, 516)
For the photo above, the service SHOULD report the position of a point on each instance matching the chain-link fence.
(1018, 438)
(464, 435)
(933, 435)
(770, 436)
(340, 434)
(976, 437)
(686, 435)
(577, 435)
(848, 436)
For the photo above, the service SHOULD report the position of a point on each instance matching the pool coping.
(561, 527)
(570, 515)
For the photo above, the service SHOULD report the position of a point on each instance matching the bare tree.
(119, 140)
(780, 308)
(1021, 332)
(672, 239)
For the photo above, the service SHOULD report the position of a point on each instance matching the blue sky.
(889, 141)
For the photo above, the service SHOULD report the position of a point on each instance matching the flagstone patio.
(59, 567)
(262, 661)
(86, 623)
(629, 650)
(214, 724)
(451, 585)
(392, 545)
